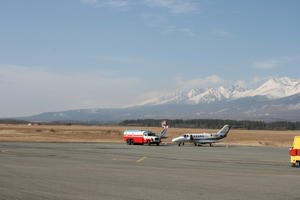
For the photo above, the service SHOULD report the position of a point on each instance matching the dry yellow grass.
(24, 133)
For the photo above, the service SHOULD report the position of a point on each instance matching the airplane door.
(187, 136)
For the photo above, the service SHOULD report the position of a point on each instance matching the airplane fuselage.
(203, 138)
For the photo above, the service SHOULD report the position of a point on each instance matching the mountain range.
(272, 89)
(275, 100)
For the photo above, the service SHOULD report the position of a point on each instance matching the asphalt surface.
(87, 171)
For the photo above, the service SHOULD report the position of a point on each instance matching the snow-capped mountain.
(277, 88)
(275, 100)
(271, 89)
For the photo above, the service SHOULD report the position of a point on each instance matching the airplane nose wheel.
(180, 144)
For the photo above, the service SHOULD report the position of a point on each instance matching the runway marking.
(141, 159)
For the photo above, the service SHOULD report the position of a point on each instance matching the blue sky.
(67, 54)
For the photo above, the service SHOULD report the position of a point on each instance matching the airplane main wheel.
(195, 144)
(179, 144)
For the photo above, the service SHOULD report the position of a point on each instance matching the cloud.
(122, 59)
(209, 81)
(267, 64)
(222, 34)
(260, 79)
(91, 2)
(162, 24)
(187, 31)
(274, 63)
(31, 90)
(107, 3)
(172, 6)
(157, 20)
(241, 83)
(257, 79)
(172, 29)
(175, 6)
(116, 3)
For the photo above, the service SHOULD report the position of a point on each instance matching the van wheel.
(128, 142)
(132, 141)
(293, 165)
(157, 144)
(148, 143)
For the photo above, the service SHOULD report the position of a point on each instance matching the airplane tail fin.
(163, 133)
(224, 131)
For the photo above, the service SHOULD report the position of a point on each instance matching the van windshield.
(150, 134)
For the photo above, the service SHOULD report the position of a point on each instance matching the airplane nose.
(176, 139)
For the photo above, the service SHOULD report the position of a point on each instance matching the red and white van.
(141, 137)
(145, 137)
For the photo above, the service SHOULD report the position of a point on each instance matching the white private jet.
(203, 138)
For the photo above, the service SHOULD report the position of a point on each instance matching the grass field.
(74, 133)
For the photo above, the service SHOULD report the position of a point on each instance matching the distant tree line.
(57, 123)
(215, 124)
(13, 121)
(177, 123)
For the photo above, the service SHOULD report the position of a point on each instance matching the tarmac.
(73, 171)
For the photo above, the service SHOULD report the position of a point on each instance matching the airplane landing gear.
(179, 144)
(210, 145)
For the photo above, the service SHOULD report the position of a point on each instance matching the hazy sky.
(66, 54)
